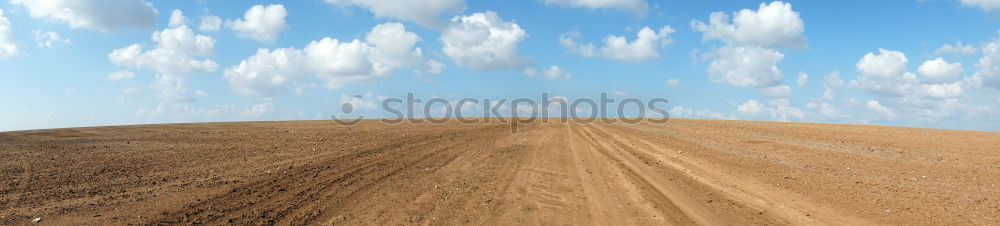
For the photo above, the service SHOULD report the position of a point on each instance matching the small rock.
(36, 220)
(680, 152)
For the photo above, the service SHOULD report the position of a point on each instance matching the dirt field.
(681, 173)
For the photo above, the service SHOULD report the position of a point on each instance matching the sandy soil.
(681, 173)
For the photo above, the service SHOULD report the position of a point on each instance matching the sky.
(74, 63)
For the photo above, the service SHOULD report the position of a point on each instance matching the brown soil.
(681, 173)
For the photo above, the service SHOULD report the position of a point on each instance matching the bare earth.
(681, 173)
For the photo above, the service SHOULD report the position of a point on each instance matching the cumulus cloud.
(825, 105)
(826, 110)
(802, 79)
(264, 107)
(933, 95)
(779, 110)
(781, 91)
(554, 72)
(484, 42)
(750, 57)
(178, 53)
(261, 23)
(7, 46)
(938, 70)
(683, 112)
(831, 82)
(750, 107)
(48, 39)
(885, 112)
(987, 5)
(745, 66)
(102, 15)
(427, 13)
(387, 48)
(646, 45)
(210, 23)
(989, 66)
(772, 25)
(177, 18)
(884, 74)
(638, 7)
(957, 49)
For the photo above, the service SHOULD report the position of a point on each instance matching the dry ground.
(681, 173)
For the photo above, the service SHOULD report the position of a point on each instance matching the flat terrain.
(681, 173)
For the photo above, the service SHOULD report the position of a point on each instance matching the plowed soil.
(684, 172)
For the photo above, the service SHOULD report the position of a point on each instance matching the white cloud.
(266, 106)
(941, 91)
(957, 49)
(745, 66)
(121, 75)
(683, 112)
(885, 64)
(885, 112)
(672, 82)
(179, 52)
(646, 46)
(554, 72)
(387, 48)
(772, 25)
(210, 23)
(7, 46)
(939, 70)
(832, 81)
(987, 5)
(750, 107)
(784, 112)
(777, 110)
(363, 103)
(934, 95)
(48, 39)
(680, 112)
(825, 104)
(781, 91)
(638, 7)
(802, 79)
(826, 109)
(103, 15)
(261, 23)
(989, 66)
(484, 42)
(427, 13)
(177, 18)
(884, 74)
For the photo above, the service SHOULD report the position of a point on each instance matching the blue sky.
(73, 63)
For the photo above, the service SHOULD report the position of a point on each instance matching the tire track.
(783, 204)
(268, 201)
(672, 195)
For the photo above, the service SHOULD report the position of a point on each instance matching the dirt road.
(684, 172)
